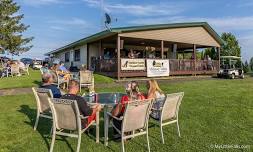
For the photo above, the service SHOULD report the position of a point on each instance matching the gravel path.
(18, 91)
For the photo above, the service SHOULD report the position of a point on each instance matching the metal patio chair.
(66, 117)
(86, 79)
(130, 123)
(169, 111)
(43, 109)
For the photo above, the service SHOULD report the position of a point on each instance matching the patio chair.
(43, 109)
(169, 111)
(59, 80)
(14, 71)
(25, 69)
(66, 117)
(137, 127)
(86, 79)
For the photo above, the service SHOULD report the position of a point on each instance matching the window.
(77, 55)
(67, 57)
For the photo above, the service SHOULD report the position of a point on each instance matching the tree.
(231, 45)
(246, 67)
(211, 53)
(251, 64)
(11, 29)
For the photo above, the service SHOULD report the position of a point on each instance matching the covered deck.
(178, 46)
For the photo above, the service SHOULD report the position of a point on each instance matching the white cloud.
(92, 2)
(71, 22)
(222, 24)
(43, 2)
(58, 28)
(155, 9)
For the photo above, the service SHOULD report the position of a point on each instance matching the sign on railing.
(133, 64)
(158, 68)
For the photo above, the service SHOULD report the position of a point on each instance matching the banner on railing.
(133, 64)
(158, 68)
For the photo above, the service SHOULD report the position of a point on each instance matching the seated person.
(63, 71)
(47, 81)
(154, 92)
(45, 69)
(21, 65)
(63, 68)
(133, 93)
(107, 55)
(85, 110)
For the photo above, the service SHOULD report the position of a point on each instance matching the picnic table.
(107, 101)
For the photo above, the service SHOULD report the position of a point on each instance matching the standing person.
(47, 80)
(131, 54)
(133, 93)
(209, 63)
(85, 110)
(154, 92)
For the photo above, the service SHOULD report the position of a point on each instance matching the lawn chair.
(59, 80)
(43, 109)
(86, 80)
(130, 123)
(15, 71)
(169, 111)
(66, 116)
(25, 69)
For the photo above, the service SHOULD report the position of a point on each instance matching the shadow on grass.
(44, 127)
(38, 83)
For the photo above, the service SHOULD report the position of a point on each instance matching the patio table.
(107, 101)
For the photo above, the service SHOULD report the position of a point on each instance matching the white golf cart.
(37, 63)
(231, 67)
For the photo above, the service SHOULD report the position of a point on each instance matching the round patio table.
(107, 101)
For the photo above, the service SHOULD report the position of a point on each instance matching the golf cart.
(37, 63)
(231, 67)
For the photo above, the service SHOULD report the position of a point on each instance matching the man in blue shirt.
(47, 80)
(63, 68)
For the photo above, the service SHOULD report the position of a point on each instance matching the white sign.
(158, 68)
(133, 64)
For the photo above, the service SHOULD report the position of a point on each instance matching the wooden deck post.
(118, 57)
(162, 49)
(218, 50)
(88, 56)
(195, 58)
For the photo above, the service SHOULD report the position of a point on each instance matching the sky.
(55, 23)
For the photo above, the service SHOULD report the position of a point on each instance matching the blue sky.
(55, 23)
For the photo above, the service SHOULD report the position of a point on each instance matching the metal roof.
(115, 31)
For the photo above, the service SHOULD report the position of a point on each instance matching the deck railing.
(176, 65)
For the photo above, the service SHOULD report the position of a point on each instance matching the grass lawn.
(212, 112)
(34, 79)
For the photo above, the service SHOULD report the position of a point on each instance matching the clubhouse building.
(145, 51)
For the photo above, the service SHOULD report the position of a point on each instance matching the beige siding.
(190, 35)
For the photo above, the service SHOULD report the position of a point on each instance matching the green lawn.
(212, 112)
(34, 79)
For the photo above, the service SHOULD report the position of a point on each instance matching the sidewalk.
(15, 91)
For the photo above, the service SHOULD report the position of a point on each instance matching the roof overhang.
(115, 31)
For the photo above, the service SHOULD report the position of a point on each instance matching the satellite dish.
(108, 21)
